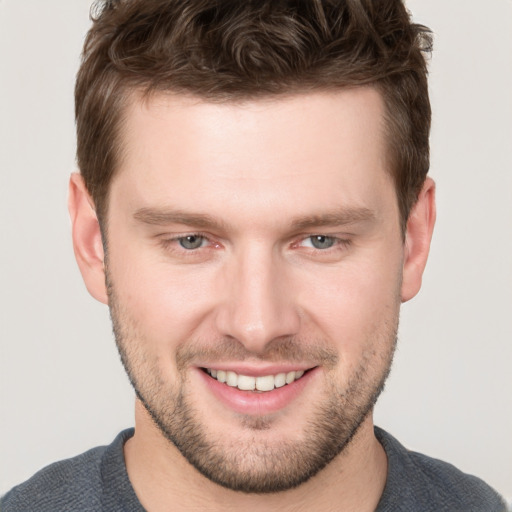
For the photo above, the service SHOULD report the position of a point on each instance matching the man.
(253, 206)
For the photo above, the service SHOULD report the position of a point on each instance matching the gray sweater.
(97, 481)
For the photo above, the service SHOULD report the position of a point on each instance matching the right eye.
(322, 241)
(191, 242)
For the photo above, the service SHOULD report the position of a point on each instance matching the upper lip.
(252, 370)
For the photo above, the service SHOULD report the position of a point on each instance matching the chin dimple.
(248, 383)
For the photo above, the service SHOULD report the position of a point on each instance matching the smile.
(248, 383)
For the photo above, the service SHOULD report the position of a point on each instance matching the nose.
(258, 305)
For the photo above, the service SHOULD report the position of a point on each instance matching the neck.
(159, 474)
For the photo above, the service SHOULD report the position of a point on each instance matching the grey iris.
(322, 241)
(191, 242)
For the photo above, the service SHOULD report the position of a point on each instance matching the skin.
(267, 176)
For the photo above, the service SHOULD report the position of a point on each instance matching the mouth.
(257, 391)
(262, 383)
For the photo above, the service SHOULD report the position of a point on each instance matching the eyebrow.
(339, 217)
(163, 217)
(334, 218)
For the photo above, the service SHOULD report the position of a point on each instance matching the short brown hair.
(224, 50)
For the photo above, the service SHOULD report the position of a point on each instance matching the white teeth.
(263, 383)
(246, 383)
(232, 379)
(280, 380)
(290, 377)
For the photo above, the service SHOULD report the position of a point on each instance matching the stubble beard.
(256, 465)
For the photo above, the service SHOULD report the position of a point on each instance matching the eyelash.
(338, 243)
(168, 243)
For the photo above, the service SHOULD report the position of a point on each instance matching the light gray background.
(62, 387)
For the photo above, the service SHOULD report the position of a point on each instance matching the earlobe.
(420, 226)
(87, 242)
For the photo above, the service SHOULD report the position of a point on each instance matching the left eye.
(190, 242)
(321, 241)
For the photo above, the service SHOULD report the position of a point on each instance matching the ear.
(87, 242)
(420, 226)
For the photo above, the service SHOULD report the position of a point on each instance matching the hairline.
(131, 94)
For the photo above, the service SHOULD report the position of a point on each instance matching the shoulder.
(71, 484)
(418, 482)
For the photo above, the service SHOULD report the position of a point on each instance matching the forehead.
(339, 116)
(326, 146)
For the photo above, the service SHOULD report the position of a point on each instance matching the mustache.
(288, 349)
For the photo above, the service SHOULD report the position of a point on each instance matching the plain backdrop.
(62, 388)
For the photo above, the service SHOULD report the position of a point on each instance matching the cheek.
(353, 304)
(164, 302)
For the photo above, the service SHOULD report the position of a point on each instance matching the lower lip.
(253, 403)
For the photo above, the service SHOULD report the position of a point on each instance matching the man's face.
(256, 242)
